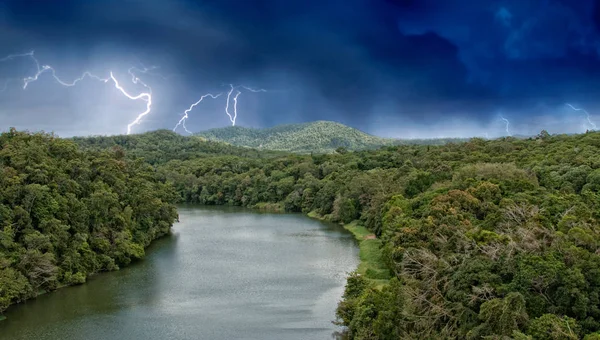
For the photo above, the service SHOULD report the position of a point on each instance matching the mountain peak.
(318, 136)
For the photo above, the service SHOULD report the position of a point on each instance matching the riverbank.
(282, 274)
(37, 295)
(371, 263)
(269, 207)
(83, 280)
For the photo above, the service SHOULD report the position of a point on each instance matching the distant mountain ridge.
(318, 136)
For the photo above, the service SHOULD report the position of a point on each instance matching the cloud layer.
(395, 67)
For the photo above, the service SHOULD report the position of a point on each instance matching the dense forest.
(319, 136)
(160, 146)
(316, 137)
(66, 214)
(487, 239)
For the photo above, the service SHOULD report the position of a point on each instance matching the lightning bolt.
(145, 96)
(233, 117)
(235, 101)
(13, 56)
(185, 113)
(135, 79)
(60, 81)
(587, 115)
(30, 54)
(149, 70)
(41, 69)
(252, 89)
(507, 125)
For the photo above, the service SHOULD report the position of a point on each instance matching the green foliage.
(14, 287)
(163, 145)
(372, 265)
(483, 239)
(372, 313)
(550, 326)
(418, 182)
(318, 137)
(66, 214)
(501, 316)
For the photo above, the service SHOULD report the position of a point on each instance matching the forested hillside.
(163, 145)
(477, 240)
(317, 137)
(66, 214)
(484, 239)
(320, 136)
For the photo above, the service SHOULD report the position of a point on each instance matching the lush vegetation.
(483, 240)
(317, 137)
(476, 240)
(66, 214)
(372, 264)
(164, 145)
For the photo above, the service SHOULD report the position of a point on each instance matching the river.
(224, 273)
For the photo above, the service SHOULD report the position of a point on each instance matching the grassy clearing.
(371, 259)
(371, 263)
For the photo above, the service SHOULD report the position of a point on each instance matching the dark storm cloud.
(513, 43)
(363, 62)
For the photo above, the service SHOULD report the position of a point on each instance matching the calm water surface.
(224, 274)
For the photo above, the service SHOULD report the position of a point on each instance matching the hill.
(319, 136)
(163, 145)
(487, 239)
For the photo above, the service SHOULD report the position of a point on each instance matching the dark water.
(223, 274)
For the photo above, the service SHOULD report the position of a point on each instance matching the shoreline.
(371, 264)
(43, 292)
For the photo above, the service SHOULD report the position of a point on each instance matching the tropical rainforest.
(483, 239)
(320, 136)
(66, 214)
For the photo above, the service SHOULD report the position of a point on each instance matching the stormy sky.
(398, 68)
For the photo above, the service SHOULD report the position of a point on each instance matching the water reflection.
(224, 273)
